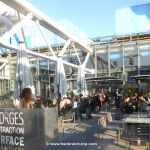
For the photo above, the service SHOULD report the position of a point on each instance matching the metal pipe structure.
(86, 59)
(49, 47)
(64, 48)
(2, 66)
(123, 65)
(25, 8)
(76, 54)
(139, 63)
(109, 67)
(13, 30)
(34, 14)
(44, 56)
(96, 65)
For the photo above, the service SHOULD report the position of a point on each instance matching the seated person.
(143, 103)
(148, 99)
(25, 98)
(65, 105)
(128, 107)
(38, 104)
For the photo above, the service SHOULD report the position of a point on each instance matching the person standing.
(129, 93)
(118, 98)
(102, 97)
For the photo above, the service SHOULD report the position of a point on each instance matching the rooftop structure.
(117, 56)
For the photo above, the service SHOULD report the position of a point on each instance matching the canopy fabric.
(61, 86)
(81, 82)
(23, 76)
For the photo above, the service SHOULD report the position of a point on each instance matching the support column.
(123, 65)
(49, 79)
(108, 57)
(9, 63)
(139, 63)
(139, 59)
(70, 71)
(38, 81)
(0, 88)
(2, 82)
(4, 85)
(95, 54)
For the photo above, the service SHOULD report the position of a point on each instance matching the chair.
(67, 119)
(143, 105)
(109, 117)
(137, 134)
(111, 121)
(103, 124)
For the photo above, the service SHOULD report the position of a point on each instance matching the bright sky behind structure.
(94, 17)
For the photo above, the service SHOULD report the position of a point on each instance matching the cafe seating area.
(131, 132)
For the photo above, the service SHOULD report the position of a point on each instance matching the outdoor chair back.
(115, 124)
(67, 119)
(102, 122)
(109, 117)
(68, 115)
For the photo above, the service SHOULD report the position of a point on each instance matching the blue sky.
(94, 17)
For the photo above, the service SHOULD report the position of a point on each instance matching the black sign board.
(27, 129)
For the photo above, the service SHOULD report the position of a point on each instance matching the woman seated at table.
(128, 106)
(25, 98)
(143, 103)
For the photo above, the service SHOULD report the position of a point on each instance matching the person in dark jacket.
(118, 98)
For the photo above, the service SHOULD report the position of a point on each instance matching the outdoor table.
(148, 108)
(136, 120)
(140, 115)
(25, 129)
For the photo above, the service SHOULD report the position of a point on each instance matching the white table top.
(141, 115)
(136, 120)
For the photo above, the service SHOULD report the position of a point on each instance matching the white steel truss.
(13, 30)
(30, 12)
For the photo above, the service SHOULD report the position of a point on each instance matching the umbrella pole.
(59, 99)
(20, 84)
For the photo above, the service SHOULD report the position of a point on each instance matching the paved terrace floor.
(86, 132)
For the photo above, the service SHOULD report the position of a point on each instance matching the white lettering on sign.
(21, 141)
(1, 118)
(21, 118)
(11, 118)
(11, 129)
(2, 139)
(10, 140)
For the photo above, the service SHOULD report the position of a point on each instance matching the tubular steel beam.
(25, 8)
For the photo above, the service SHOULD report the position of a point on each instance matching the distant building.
(134, 19)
